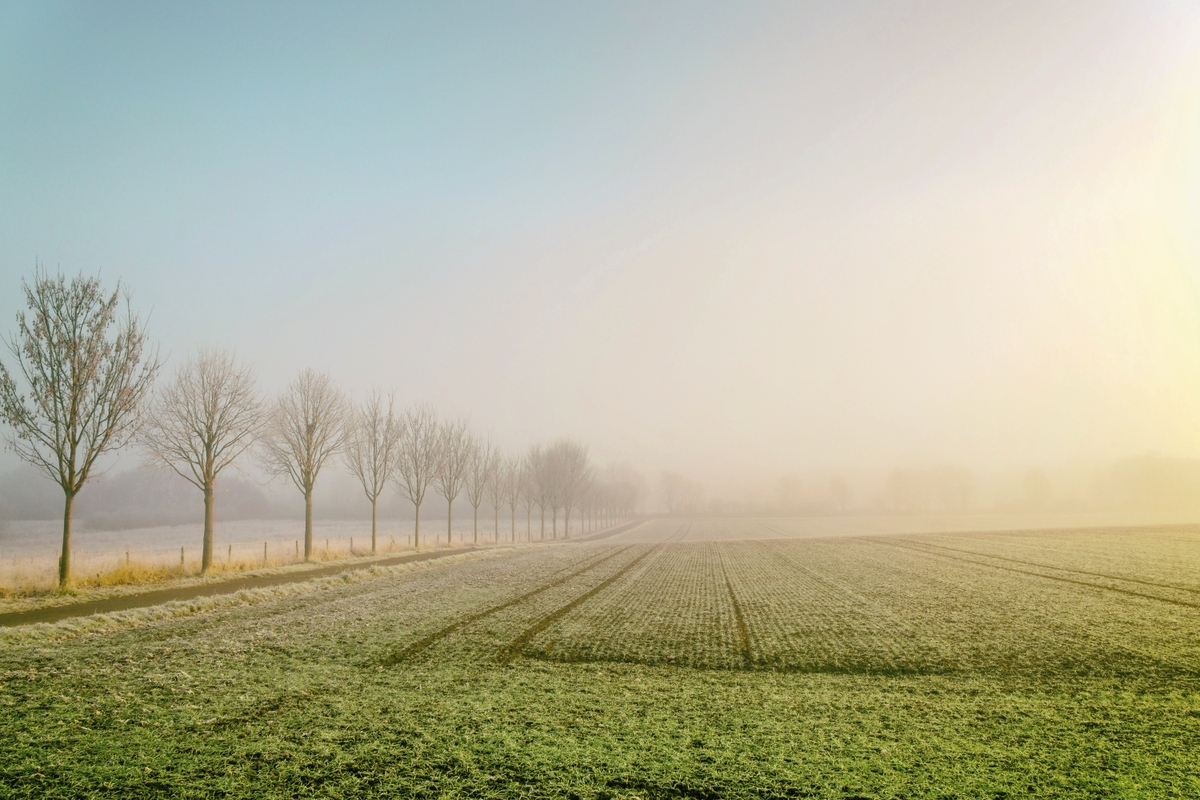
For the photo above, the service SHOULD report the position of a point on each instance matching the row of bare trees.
(89, 374)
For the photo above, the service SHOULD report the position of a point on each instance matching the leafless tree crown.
(420, 453)
(305, 429)
(481, 465)
(568, 473)
(88, 370)
(456, 447)
(205, 418)
(372, 442)
(497, 480)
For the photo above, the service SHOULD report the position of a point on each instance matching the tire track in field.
(513, 649)
(421, 644)
(836, 587)
(1167, 586)
(739, 617)
(1074, 581)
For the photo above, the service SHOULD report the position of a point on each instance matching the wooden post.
(181, 558)
(229, 557)
(264, 554)
(127, 556)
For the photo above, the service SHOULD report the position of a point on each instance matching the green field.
(701, 658)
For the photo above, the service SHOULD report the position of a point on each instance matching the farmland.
(698, 658)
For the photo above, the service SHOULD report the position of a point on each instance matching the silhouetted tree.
(529, 495)
(201, 422)
(451, 473)
(305, 429)
(571, 473)
(495, 490)
(481, 465)
(512, 476)
(372, 447)
(420, 454)
(87, 371)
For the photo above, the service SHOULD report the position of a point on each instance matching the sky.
(724, 239)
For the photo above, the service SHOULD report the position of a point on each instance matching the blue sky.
(714, 238)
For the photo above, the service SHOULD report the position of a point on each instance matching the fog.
(945, 254)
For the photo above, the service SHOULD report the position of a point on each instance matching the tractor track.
(739, 617)
(1166, 586)
(424, 642)
(1088, 584)
(513, 649)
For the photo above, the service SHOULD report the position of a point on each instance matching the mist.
(764, 249)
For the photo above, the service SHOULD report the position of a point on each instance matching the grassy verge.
(134, 577)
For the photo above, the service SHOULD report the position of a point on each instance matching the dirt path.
(146, 599)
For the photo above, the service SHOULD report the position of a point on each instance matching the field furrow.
(674, 610)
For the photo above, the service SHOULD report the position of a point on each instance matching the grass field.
(680, 659)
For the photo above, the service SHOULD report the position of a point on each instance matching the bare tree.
(540, 482)
(512, 477)
(480, 467)
(201, 422)
(620, 489)
(87, 370)
(495, 490)
(452, 466)
(529, 494)
(420, 454)
(372, 447)
(571, 476)
(306, 428)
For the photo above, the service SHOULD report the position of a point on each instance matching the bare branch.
(418, 459)
(87, 372)
(306, 428)
(201, 422)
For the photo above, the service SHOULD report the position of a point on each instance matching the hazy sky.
(742, 236)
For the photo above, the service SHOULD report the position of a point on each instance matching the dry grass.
(34, 576)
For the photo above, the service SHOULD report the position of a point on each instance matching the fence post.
(264, 554)
(181, 558)
(229, 557)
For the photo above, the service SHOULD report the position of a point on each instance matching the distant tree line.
(82, 385)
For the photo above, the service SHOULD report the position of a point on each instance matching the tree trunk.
(449, 522)
(512, 523)
(64, 560)
(528, 526)
(567, 522)
(475, 530)
(553, 523)
(374, 502)
(206, 552)
(308, 525)
(542, 534)
(416, 526)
